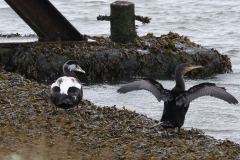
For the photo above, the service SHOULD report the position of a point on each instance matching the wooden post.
(122, 22)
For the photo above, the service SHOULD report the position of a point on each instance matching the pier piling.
(122, 20)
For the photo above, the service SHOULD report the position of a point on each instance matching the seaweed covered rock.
(32, 129)
(150, 55)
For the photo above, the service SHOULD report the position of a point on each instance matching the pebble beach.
(32, 128)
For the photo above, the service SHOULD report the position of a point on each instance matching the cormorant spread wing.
(150, 85)
(205, 89)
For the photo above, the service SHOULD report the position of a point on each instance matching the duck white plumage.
(67, 92)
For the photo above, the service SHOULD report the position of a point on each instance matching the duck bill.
(79, 69)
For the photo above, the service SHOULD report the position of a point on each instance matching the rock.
(150, 56)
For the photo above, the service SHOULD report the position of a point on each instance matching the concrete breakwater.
(150, 55)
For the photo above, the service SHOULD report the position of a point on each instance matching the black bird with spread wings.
(177, 100)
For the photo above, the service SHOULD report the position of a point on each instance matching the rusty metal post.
(44, 19)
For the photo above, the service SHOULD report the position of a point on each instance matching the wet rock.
(149, 56)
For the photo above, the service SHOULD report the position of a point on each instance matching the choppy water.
(213, 24)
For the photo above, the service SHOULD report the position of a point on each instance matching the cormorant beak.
(79, 69)
(193, 67)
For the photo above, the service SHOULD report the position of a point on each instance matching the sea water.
(213, 24)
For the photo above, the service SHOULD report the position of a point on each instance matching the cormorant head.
(70, 66)
(185, 67)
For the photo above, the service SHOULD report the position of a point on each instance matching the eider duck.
(177, 100)
(67, 92)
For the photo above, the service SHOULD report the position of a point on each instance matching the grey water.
(213, 24)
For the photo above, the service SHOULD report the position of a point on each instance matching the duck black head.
(71, 66)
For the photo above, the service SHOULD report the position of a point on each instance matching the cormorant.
(177, 100)
(67, 92)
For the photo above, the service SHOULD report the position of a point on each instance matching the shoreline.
(31, 127)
